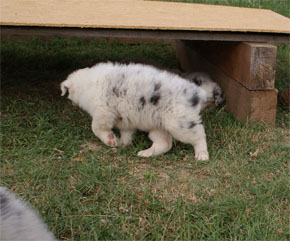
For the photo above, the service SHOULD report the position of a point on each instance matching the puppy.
(18, 221)
(137, 96)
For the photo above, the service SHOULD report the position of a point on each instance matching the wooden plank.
(24, 32)
(20, 34)
(246, 105)
(251, 64)
(133, 14)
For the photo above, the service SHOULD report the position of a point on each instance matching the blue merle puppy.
(137, 96)
(19, 222)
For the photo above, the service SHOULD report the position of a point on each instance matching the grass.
(87, 191)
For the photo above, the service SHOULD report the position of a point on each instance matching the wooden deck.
(145, 18)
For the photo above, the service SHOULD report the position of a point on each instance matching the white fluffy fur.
(137, 96)
(19, 222)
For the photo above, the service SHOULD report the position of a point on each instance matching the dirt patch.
(179, 185)
(167, 183)
(90, 146)
(286, 141)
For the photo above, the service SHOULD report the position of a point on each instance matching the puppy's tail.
(63, 88)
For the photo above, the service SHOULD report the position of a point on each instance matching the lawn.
(87, 191)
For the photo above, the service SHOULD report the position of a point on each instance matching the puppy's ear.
(63, 88)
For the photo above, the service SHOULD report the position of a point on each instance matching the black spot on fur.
(157, 87)
(155, 98)
(3, 200)
(191, 124)
(218, 93)
(194, 100)
(124, 92)
(142, 101)
(4, 207)
(116, 91)
(218, 96)
(197, 80)
(184, 91)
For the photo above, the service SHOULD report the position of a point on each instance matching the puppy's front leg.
(103, 130)
(198, 140)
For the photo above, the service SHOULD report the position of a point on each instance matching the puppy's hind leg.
(126, 137)
(162, 142)
(125, 132)
(102, 128)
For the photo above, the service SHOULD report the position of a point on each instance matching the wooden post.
(251, 64)
(245, 104)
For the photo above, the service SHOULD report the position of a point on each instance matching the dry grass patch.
(169, 183)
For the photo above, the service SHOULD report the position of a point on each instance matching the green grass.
(87, 191)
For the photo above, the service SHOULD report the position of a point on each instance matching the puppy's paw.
(146, 153)
(111, 140)
(202, 156)
(123, 143)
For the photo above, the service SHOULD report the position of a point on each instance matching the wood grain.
(25, 32)
(137, 14)
(251, 64)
